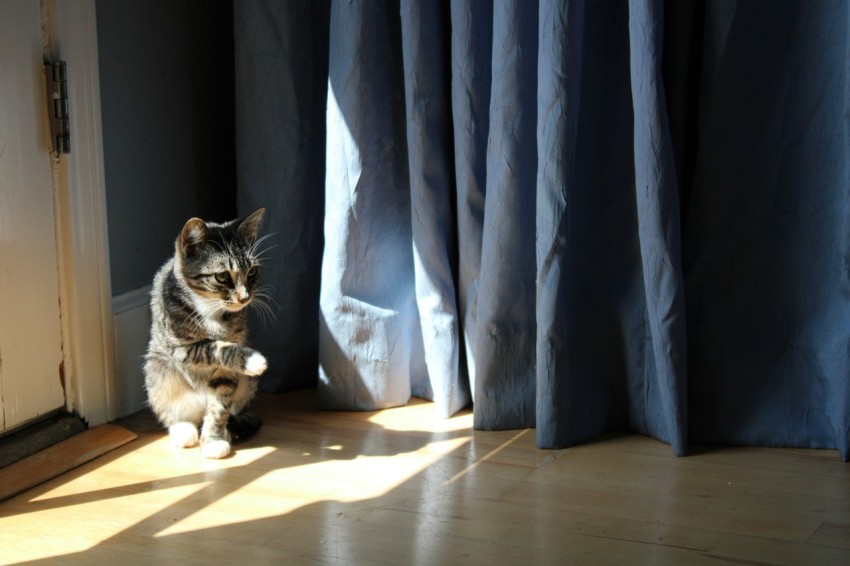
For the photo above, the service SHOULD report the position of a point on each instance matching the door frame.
(81, 224)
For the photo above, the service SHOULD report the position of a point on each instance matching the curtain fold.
(425, 33)
(503, 338)
(559, 417)
(578, 215)
(659, 227)
(471, 53)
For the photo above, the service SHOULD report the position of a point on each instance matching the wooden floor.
(403, 487)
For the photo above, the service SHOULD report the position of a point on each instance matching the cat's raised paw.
(215, 449)
(255, 364)
(183, 435)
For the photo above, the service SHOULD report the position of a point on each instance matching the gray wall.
(166, 79)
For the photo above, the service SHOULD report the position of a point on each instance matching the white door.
(30, 325)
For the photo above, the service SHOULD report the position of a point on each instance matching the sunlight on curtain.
(370, 341)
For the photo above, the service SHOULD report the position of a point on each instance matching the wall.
(166, 77)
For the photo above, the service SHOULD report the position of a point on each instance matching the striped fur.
(199, 372)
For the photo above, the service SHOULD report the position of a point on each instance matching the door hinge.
(57, 106)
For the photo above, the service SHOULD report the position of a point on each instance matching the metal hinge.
(57, 106)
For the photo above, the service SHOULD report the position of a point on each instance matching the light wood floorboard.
(404, 487)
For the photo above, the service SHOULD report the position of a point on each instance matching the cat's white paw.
(183, 435)
(255, 364)
(215, 449)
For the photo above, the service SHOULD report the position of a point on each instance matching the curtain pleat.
(560, 421)
(580, 215)
(504, 333)
(471, 53)
(659, 228)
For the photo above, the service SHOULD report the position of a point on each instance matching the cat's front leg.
(215, 438)
(228, 355)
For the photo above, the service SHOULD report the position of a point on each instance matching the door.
(30, 323)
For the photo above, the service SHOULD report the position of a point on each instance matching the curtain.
(577, 216)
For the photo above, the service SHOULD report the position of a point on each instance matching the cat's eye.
(222, 277)
(253, 272)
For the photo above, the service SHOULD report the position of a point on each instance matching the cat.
(199, 374)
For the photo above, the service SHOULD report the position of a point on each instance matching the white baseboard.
(131, 321)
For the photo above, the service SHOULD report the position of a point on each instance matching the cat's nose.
(242, 295)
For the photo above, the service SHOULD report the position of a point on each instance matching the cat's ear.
(251, 225)
(194, 233)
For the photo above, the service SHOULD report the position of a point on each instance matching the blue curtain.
(576, 215)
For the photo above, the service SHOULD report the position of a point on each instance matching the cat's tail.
(244, 425)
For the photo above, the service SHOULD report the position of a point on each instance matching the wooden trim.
(59, 458)
(82, 236)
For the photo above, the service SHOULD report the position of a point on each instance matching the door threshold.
(33, 437)
(55, 460)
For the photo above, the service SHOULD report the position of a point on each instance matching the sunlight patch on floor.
(281, 491)
(125, 500)
(412, 416)
(105, 517)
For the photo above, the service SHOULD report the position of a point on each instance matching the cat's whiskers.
(265, 291)
(252, 251)
(261, 303)
(258, 255)
(197, 321)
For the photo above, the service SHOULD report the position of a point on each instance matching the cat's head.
(220, 263)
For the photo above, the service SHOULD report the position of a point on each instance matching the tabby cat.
(198, 371)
